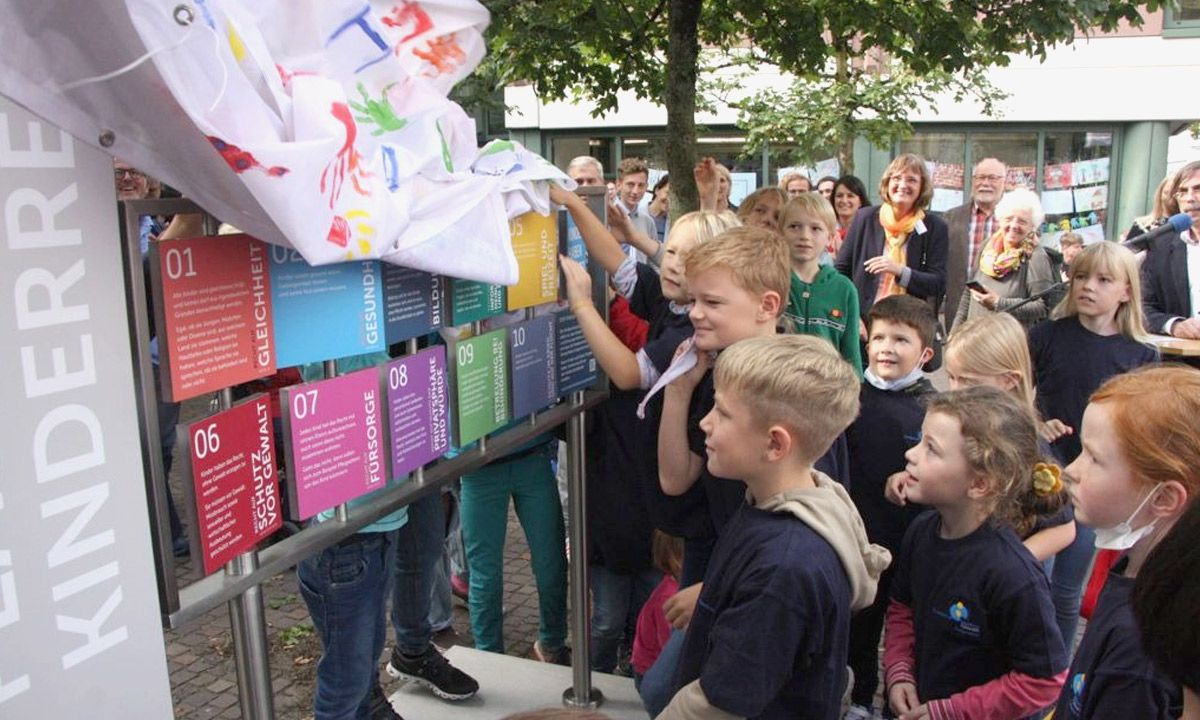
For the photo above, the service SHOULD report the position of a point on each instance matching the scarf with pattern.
(895, 247)
(998, 260)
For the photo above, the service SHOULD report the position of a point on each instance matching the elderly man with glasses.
(971, 224)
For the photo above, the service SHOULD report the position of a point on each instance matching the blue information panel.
(576, 363)
(412, 303)
(533, 365)
(571, 243)
(324, 312)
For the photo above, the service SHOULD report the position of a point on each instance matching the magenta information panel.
(334, 439)
(417, 406)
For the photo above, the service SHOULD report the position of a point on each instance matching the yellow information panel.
(535, 243)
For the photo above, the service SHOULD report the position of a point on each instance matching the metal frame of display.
(240, 584)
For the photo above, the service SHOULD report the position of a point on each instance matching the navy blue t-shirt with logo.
(981, 608)
(1110, 676)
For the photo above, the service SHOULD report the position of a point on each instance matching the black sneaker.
(433, 671)
(561, 656)
(381, 708)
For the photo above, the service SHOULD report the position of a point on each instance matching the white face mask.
(1122, 536)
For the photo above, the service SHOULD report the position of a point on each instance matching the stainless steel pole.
(581, 694)
(248, 623)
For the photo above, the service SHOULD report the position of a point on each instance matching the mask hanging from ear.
(1123, 536)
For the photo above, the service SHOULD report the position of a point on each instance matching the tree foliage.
(591, 50)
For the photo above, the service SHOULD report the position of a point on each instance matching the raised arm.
(678, 466)
(617, 360)
(600, 242)
(624, 229)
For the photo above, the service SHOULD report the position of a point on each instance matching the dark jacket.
(958, 223)
(1166, 293)
(926, 255)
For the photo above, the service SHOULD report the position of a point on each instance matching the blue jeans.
(441, 603)
(1067, 579)
(616, 600)
(345, 588)
(658, 684)
(418, 551)
(485, 493)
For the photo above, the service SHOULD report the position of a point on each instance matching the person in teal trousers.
(527, 477)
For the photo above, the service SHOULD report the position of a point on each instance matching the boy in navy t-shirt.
(900, 341)
(768, 638)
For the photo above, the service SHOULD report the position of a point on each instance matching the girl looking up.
(970, 629)
(1097, 333)
(1135, 477)
(992, 350)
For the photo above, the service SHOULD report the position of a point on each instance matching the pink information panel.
(334, 439)
(214, 317)
(233, 485)
(417, 407)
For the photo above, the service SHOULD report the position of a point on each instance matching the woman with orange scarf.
(896, 248)
(1012, 267)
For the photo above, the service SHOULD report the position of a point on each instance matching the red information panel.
(214, 316)
(234, 488)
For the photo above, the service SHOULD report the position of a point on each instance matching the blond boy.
(769, 635)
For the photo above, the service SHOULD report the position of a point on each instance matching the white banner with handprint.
(319, 124)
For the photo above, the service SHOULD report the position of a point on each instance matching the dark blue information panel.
(533, 365)
(576, 363)
(412, 303)
(324, 312)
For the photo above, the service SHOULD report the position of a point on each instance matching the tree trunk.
(683, 51)
(845, 153)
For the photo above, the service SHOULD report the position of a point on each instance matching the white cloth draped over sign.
(318, 124)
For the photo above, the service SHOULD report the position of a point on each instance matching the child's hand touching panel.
(579, 283)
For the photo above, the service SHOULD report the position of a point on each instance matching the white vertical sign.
(79, 615)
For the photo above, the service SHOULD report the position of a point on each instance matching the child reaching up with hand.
(658, 297)
(970, 630)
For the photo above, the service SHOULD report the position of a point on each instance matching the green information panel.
(480, 385)
(471, 300)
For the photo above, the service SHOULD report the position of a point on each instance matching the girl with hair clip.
(1096, 333)
(970, 629)
(992, 350)
(1134, 479)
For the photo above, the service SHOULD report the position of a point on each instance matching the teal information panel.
(471, 300)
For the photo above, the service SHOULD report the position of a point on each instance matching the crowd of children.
(776, 489)
(823, 493)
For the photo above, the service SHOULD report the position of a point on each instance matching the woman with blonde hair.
(1164, 207)
(761, 208)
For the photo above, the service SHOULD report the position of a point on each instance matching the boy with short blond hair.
(738, 282)
(769, 636)
(899, 342)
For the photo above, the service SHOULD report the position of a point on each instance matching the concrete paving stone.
(221, 685)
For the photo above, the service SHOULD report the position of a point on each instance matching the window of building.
(1075, 184)
(1182, 21)
(945, 154)
(565, 148)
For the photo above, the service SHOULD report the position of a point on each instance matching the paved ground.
(200, 655)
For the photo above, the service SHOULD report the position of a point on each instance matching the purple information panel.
(333, 435)
(417, 409)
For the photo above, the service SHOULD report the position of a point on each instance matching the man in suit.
(971, 224)
(1171, 269)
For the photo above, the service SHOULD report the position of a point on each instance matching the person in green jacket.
(821, 302)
